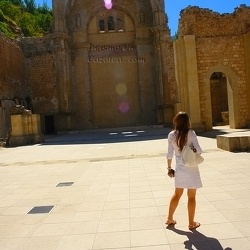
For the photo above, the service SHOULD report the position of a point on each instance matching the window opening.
(120, 26)
(101, 25)
(111, 23)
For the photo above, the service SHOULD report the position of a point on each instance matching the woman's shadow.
(199, 241)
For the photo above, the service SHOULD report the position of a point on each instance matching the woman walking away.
(185, 177)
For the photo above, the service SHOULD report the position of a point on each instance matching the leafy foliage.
(23, 18)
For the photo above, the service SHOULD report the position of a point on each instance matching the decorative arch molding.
(89, 9)
(232, 91)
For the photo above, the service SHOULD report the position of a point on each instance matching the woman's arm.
(169, 156)
(195, 143)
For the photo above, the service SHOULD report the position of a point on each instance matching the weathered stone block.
(25, 130)
(234, 143)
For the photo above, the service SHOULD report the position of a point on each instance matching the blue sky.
(173, 8)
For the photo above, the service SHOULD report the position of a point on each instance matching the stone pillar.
(180, 73)
(63, 61)
(5, 117)
(247, 58)
(2, 124)
(187, 79)
(164, 107)
(83, 85)
(145, 68)
(192, 81)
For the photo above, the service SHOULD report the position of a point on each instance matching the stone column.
(164, 107)
(247, 58)
(63, 80)
(144, 51)
(192, 81)
(2, 124)
(82, 85)
(187, 79)
(5, 118)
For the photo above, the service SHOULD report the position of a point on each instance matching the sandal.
(170, 222)
(194, 225)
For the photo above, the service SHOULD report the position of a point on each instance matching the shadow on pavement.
(108, 136)
(198, 240)
(125, 135)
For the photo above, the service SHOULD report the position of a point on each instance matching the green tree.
(19, 18)
(29, 26)
(30, 6)
(19, 3)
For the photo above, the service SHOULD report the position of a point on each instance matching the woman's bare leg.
(174, 202)
(191, 205)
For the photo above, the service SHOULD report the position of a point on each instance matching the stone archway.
(232, 94)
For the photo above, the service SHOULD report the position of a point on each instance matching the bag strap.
(188, 139)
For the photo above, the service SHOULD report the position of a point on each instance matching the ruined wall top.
(9, 41)
(36, 46)
(206, 23)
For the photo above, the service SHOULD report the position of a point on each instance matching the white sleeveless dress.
(185, 177)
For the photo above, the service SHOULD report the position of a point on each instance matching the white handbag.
(189, 157)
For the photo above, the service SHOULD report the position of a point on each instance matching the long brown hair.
(182, 126)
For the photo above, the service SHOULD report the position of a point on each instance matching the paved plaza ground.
(109, 189)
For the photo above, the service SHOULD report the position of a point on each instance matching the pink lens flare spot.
(108, 4)
(124, 107)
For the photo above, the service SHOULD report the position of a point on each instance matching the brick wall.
(42, 81)
(206, 23)
(219, 41)
(12, 70)
(226, 51)
(41, 73)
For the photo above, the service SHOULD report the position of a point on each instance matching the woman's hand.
(171, 172)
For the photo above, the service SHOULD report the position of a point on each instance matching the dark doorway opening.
(49, 124)
(219, 99)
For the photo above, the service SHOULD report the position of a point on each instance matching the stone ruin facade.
(104, 68)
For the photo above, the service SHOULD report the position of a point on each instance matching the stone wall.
(54, 73)
(12, 70)
(41, 74)
(13, 83)
(227, 51)
(220, 44)
(206, 23)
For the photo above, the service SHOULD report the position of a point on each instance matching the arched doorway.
(230, 88)
(219, 99)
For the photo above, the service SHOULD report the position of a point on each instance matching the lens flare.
(124, 107)
(121, 89)
(108, 4)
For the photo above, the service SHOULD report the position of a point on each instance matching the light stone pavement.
(119, 195)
